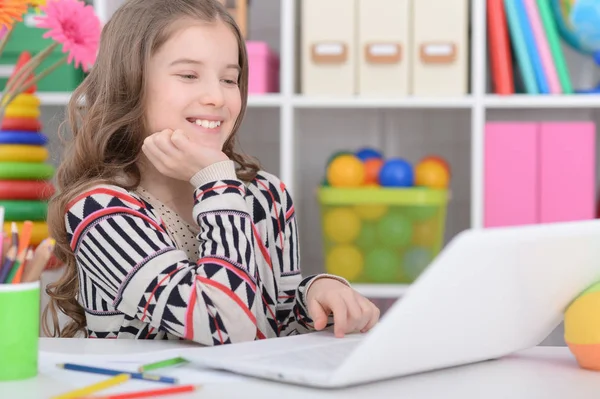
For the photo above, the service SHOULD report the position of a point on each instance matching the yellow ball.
(582, 328)
(342, 225)
(582, 320)
(425, 233)
(345, 261)
(371, 212)
(346, 170)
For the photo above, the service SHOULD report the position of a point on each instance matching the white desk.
(541, 372)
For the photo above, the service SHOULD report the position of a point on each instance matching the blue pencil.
(98, 370)
(8, 265)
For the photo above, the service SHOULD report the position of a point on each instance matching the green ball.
(421, 213)
(394, 230)
(382, 266)
(415, 261)
(367, 238)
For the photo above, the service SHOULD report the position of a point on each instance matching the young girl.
(166, 231)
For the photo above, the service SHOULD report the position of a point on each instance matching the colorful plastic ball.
(367, 238)
(431, 174)
(345, 261)
(422, 212)
(582, 328)
(372, 169)
(382, 266)
(341, 225)
(437, 158)
(415, 261)
(346, 171)
(367, 153)
(394, 230)
(425, 233)
(337, 154)
(371, 211)
(396, 172)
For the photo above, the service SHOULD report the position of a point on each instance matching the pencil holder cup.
(19, 330)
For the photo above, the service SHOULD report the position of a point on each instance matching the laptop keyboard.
(315, 357)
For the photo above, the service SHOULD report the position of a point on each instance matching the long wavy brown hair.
(106, 117)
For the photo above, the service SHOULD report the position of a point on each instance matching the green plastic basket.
(381, 235)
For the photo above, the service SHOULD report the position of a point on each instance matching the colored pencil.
(8, 265)
(19, 274)
(15, 234)
(25, 236)
(151, 392)
(2, 249)
(99, 370)
(13, 271)
(78, 393)
(5, 246)
(163, 363)
(43, 252)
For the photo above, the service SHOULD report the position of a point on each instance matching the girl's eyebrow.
(197, 62)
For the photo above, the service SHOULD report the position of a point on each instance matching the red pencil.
(152, 392)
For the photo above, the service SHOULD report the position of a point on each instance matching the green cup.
(19, 330)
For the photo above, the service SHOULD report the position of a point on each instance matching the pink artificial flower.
(75, 25)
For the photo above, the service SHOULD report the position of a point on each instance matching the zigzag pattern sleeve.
(123, 250)
(292, 310)
(292, 313)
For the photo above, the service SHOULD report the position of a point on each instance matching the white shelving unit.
(291, 115)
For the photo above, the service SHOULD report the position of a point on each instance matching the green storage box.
(381, 234)
(26, 37)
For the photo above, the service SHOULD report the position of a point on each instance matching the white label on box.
(383, 49)
(329, 49)
(438, 50)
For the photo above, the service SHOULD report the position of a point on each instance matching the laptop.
(489, 293)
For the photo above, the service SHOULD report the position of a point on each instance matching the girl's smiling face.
(192, 83)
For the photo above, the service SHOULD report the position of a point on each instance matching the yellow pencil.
(78, 393)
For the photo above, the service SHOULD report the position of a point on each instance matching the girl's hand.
(351, 311)
(174, 155)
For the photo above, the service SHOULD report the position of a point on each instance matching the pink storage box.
(539, 172)
(263, 65)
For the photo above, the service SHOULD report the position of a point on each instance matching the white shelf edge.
(54, 98)
(265, 100)
(254, 100)
(542, 101)
(301, 101)
(381, 290)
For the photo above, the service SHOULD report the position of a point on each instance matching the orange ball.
(440, 160)
(432, 174)
(346, 171)
(372, 167)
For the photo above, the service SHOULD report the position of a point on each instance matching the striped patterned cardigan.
(245, 284)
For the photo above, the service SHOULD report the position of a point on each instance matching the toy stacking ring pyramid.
(25, 185)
